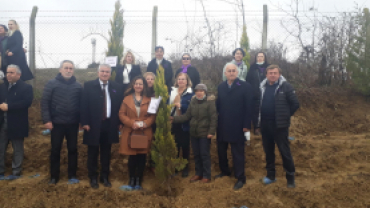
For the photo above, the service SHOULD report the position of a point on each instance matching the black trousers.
(182, 139)
(136, 165)
(270, 136)
(202, 156)
(70, 132)
(255, 113)
(237, 150)
(105, 154)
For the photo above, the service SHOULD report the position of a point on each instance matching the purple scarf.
(262, 69)
(185, 68)
(238, 64)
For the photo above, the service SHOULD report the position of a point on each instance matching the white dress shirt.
(159, 61)
(126, 72)
(109, 105)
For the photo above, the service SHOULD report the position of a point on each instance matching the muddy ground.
(331, 152)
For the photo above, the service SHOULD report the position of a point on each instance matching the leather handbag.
(138, 141)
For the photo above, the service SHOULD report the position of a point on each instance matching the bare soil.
(331, 152)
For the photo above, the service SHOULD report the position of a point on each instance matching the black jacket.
(135, 71)
(60, 102)
(92, 104)
(19, 98)
(193, 75)
(3, 92)
(168, 73)
(234, 107)
(255, 77)
(286, 102)
(15, 45)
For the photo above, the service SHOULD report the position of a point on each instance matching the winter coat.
(286, 102)
(234, 107)
(92, 105)
(3, 93)
(256, 74)
(3, 62)
(168, 73)
(19, 98)
(202, 115)
(243, 70)
(193, 75)
(60, 102)
(15, 45)
(128, 115)
(135, 71)
(185, 101)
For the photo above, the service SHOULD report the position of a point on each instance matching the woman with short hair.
(238, 55)
(188, 69)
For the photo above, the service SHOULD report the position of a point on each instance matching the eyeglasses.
(186, 59)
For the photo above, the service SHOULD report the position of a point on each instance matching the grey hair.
(104, 65)
(15, 67)
(66, 61)
(228, 64)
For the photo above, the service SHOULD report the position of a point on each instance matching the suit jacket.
(19, 98)
(135, 71)
(92, 104)
(234, 107)
(168, 73)
(193, 75)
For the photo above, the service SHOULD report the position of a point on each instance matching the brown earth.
(331, 151)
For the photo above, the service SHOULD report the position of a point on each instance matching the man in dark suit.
(100, 104)
(159, 60)
(14, 127)
(234, 107)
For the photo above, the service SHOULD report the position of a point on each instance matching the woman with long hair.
(127, 71)
(14, 50)
(150, 78)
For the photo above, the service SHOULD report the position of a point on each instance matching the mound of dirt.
(331, 151)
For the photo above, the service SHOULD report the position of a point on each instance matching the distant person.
(100, 103)
(234, 107)
(238, 55)
(127, 71)
(14, 50)
(14, 128)
(3, 45)
(256, 74)
(279, 103)
(159, 60)
(150, 79)
(202, 114)
(60, 109)
(134, 115)
(187, 68)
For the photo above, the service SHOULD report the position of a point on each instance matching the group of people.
(103, 108)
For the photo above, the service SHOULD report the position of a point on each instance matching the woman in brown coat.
(133, 114)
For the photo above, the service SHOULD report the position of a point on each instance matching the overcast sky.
(59, 34)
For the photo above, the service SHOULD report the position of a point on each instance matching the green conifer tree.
(244, 44)
(358, 60)
(164, 151)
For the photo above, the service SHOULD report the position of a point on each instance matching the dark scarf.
(137, 103)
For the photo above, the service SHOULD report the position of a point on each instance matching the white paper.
(247, 135)
(154, 105)
(111, 60)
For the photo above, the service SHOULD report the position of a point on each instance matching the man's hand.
(209, 136)
(245, 130)
(48, 125)
(10, 54)
(86, 127)
(4, 107)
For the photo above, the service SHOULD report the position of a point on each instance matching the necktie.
(10, 86)
(105, 102)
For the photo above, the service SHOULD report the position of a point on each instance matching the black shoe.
(221, 175)
(94, 183)
(106, 182)
(132, 182)
(53, 181)
(290, 181)
(185, 172)
(138, 184)
(291, 185)
(238, 185)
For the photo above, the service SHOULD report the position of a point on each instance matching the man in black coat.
(60, 109)
(153, 66)
(234, 107)
(279, 103)
(100, 104)
(14, 127)
(255, 75)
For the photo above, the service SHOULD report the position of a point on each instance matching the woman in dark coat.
(187, 68)
(3, 43)
(14, 51)
(256, 74)
(127, 71)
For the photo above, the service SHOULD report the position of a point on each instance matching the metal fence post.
(264, 33)
(32, 41)
(154, 30)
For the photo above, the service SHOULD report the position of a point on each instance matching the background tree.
(164, 151)
(358, 61)
(115, 43)
(244, 44)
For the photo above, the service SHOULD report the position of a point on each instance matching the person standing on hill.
(279, 103)
(159, 60)
(188, 69)
(60, 110)
(256, 74)
(238, 55)
(234, 107)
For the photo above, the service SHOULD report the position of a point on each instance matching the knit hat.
(5, 28)
(201, 87)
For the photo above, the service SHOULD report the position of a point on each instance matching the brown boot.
(205, 180)
(195, 178)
